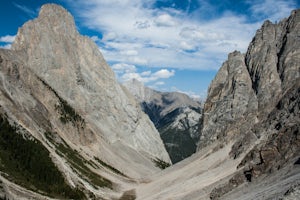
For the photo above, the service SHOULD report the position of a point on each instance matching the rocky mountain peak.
(53, 19)
(69, 89)
(247, 87)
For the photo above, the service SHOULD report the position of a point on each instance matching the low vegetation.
(109, 167)
(26, 162)
(161, 164)
(67, 112)
(78, 163)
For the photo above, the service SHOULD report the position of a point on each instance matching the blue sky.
(170, 45)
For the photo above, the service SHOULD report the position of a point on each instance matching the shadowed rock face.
(175, 115)
(248, 87)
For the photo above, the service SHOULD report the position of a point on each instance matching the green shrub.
(161, 164)
(77, 162)
(27, 162)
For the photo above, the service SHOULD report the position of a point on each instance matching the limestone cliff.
(57, 88)
(248, 87)
(253, 102)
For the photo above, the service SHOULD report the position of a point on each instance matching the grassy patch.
(78, 163)
(161, 164)
(67, 113)
(109, 167)
(27, 163)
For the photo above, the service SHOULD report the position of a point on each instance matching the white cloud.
(123, 68)
(193, 95)
(134, 32)
(7, 38)
(164, 73)
(129, 53)
(127, 72)
(146, 73)
(274, 10)
(109, 36)
(165, 20)
(159, 83)
(30, 12)
(138, 34)
(95, 38)
(6, 46)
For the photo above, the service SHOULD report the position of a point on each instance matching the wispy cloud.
(6, 46)
(274, 10)
(30, 12)
(5, 41)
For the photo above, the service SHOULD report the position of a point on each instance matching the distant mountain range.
(175, 115)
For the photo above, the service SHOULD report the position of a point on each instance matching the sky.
(169, 45)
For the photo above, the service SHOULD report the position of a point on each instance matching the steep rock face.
(254, 103)
(231, 102)
(175, 115)
(247, 87)
(73, 66)
(56, 86)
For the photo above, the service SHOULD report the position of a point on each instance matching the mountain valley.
(69, 130)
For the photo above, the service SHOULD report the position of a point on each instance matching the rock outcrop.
(254, 103)
(175, 115)
(248, 87)
(56, 86)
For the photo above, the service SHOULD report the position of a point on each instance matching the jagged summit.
(52, 19)
(247, 87)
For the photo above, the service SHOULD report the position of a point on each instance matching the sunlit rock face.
(57, 87)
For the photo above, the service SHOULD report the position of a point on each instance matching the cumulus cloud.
(165, 20)
(134, 31)
(126, 72)
(123, 68)
(163, 73)
(7, 38)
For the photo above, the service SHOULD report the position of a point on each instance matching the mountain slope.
(249, 144)
(57, 89)
(175, 115)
